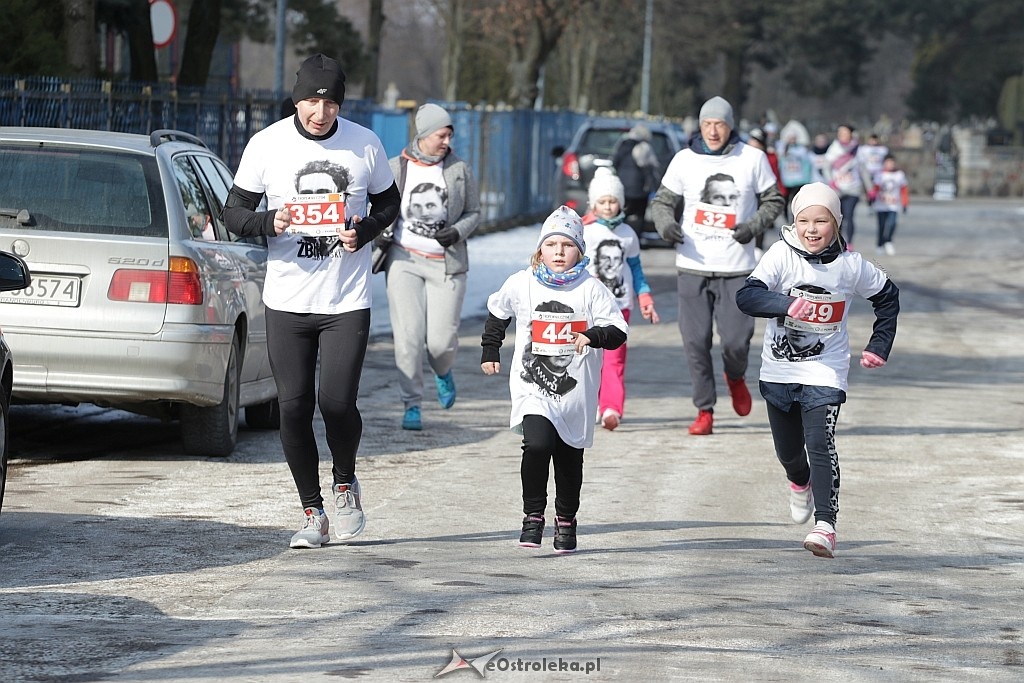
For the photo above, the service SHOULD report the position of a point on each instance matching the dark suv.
(593, 145)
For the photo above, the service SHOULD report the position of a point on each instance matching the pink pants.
(613, 378)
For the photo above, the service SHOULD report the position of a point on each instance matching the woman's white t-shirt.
(314, 274)
(547, 377)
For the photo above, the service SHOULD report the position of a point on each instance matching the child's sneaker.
(533, 531)
(801, 502)
(412, 420)
(822, 540)
(445, 390)
(349, 520)
(610, 419)
(703, 424)
(740, 395)
(314, 531)
(565, 535)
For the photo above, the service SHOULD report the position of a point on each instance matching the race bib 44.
(551, 334)
(316, 214)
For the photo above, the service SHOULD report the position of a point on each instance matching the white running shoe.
(889, 249)
(349, 520)
(801, 502)
(314, 531)
(822, 540)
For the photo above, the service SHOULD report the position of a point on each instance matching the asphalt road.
(123, 560)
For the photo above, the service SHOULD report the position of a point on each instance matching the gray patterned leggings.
(806, 446)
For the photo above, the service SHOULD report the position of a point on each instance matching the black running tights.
(541, 445)
(294, 341)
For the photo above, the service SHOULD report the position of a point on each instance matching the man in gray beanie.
(715, 250)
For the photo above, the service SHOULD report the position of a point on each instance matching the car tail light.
(179, 284)
(570, 166)
(572, 204)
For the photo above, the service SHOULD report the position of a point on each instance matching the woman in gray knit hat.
(426, 259)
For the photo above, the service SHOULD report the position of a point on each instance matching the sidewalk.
(688, 568)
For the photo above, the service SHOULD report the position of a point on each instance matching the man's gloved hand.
(673, 233)
(447, 236)
(743, 233)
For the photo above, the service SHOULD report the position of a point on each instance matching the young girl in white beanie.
(614, 252)
(564, 317)
(804, 284)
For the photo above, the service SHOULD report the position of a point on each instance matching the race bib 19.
(551, 333)
(316, 214)
(826, 316)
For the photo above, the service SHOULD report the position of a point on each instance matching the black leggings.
(815, 431)
(293, 341)
(541, 445)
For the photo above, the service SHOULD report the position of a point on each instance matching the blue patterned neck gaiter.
(549, 278)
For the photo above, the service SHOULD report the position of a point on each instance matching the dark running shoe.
(533, 531)
(565, 535)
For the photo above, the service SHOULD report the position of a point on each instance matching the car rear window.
(74, 190)
(602, 142)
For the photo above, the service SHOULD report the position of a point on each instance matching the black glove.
(447, 236)
(743, 233)
(673, 234)
(384, 239)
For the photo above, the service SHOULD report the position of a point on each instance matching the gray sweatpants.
(425, 306)
(703, 303)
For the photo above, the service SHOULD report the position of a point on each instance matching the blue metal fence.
(509, 150)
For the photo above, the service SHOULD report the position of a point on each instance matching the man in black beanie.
(317, 291)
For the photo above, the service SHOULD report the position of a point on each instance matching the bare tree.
(200, 40)
(373, 42)
(80, 37)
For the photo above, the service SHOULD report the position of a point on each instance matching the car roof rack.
(158, 137)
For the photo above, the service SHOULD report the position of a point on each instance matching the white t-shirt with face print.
(315, 274)
(424, 208)
(608, 250)
(547, 377)
(817, 351)
(719, 193)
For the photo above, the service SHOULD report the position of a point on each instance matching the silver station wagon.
(140, 298)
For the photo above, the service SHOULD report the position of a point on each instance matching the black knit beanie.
(319, 76)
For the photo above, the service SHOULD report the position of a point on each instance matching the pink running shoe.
(822, 540)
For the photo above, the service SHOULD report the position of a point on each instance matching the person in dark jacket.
(637, 166)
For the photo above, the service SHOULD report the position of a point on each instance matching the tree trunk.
(455, 23)
(140, 42)
(527, 57)
(80, 37)
(371, 86)
(734, 89)
(203, 29)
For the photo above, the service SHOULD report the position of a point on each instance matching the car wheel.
(264, 415)
(213, 430)
(4, 413)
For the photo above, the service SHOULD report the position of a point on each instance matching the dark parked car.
(593, 145)
(141, 299)
(13, 275)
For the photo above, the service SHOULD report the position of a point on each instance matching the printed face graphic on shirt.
(321, 177)
(721, 190)
(798, 340)
(427, 209)
(608, 261)
(550, 328)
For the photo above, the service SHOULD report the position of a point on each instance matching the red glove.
(871, 360)
(800, 309)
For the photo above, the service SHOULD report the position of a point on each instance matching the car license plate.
(47, 290)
